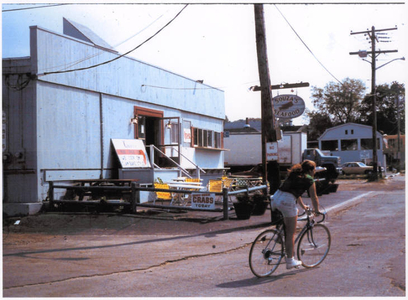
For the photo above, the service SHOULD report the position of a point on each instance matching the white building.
(352, 142)
(63, 106)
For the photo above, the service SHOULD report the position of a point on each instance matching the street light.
(401, 58)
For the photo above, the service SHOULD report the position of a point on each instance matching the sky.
(216, 42)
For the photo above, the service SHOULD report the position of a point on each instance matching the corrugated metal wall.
(63, 123)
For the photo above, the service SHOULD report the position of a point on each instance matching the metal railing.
(182, 170)
(134, 200)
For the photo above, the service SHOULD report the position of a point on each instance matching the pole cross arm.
(281, 86)
(376, 52)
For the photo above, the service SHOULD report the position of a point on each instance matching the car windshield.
(362, 164)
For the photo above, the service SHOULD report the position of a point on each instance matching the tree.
(339, 101)
(387, 116)
(319, 122)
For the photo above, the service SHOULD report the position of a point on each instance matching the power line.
(33, 7)
(307, 46)
(120, 56)
(95, 55)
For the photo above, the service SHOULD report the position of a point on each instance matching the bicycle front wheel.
(266, 253)
(314, 245)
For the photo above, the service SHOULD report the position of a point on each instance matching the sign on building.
(288, 106)
(131, 153)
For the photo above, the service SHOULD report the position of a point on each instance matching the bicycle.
(268, 248)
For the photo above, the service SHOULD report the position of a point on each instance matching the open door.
(163, 133)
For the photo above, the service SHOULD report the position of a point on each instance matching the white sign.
(187, 135)
(365, 154)
(288, 106)
(203, 201)
(131, 153)
(272, 151)
(280, 151)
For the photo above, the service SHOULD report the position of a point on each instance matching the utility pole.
(269, 133)
(372, 35)
(398, 134)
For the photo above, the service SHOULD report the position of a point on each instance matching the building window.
(332, 145)
(352, 131)
(346, 131)
(217, 140)
(206, 138)
(367, 144)
(348, 145)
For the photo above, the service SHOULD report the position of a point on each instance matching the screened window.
(217, 140)
(206, 138)
(367, 144)
(332, 145)
(348, 145)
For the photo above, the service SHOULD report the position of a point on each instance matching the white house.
(65, 104)
(352, 142)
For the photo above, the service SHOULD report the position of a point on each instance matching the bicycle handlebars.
(310, 212)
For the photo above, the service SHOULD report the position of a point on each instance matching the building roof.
(83, 33)
(346, 125)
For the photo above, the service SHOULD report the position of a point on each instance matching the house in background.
(66, 104)
(352, 142)
(395, 154)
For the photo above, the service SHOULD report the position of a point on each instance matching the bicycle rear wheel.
(314, 245)
(266, 253)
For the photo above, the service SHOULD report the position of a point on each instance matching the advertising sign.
(203, 201)
(131, 153)
(288, 106)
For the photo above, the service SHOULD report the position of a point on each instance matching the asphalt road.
(158, 256)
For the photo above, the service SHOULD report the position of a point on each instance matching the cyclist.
(299, 180)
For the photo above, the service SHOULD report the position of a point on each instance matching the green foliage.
(319, 122)
(340, 102)
(387, 108)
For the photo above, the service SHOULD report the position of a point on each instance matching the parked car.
(357, 168)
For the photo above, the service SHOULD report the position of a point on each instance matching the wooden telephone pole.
(374, 53)
(269, 133)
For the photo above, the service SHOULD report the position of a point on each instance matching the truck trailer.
(244, 155)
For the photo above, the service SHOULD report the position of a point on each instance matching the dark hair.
(301, 169)
(308, 165)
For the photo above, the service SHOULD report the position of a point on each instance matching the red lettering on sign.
(131, 152)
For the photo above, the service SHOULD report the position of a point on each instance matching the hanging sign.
(131, 153)
(288, 106)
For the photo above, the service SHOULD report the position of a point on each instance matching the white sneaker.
(292, 263)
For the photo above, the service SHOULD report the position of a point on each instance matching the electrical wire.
(140, 31)
(120, 56)
(34, 7)
(174, 88)
(69, 65)
(307, 46)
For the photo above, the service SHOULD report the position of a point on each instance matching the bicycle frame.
(313, 242)
(280, 227)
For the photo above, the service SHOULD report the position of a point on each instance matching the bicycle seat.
(276, 216)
